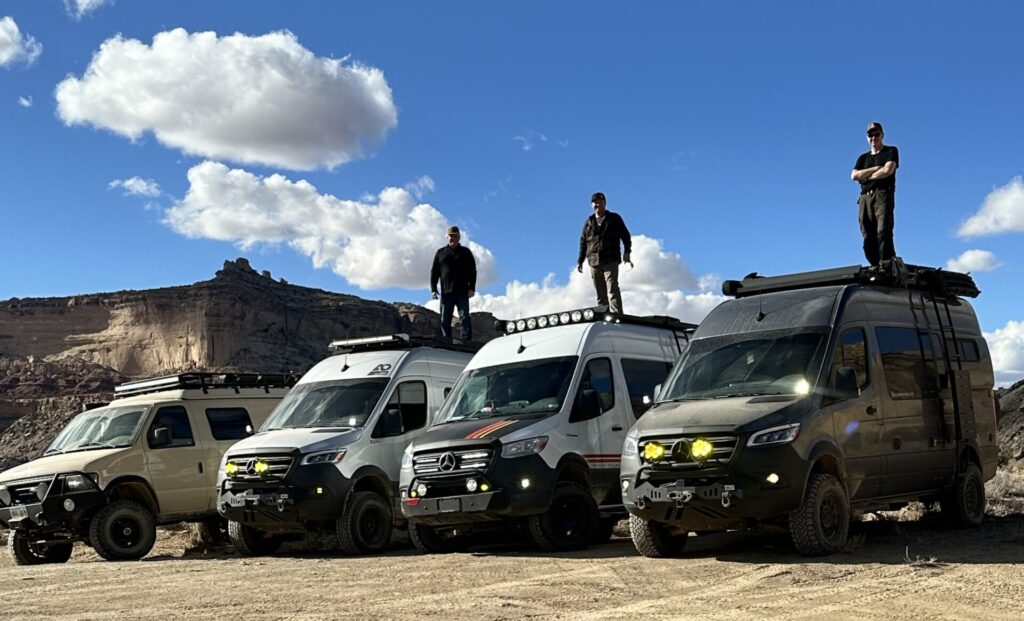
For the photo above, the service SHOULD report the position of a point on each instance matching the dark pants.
(450, 302)
(876, 223)
(606, 284)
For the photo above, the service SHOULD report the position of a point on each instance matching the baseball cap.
(875, 125)
(597, 195)
(453, 230)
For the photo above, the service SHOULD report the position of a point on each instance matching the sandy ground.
(893, 570)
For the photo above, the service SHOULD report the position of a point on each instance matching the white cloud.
(78, 8)
(25, 102)
(1001, 212)
(136, 186)
(420, 187)
(529, 138)
(1006, 345)
(260, 99)
(389, 241)
(973, 261)
(16, 46)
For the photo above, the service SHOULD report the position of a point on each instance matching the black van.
(812, 396)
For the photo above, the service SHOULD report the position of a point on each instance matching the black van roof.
(917, 277)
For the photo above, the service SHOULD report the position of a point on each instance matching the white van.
(533, 430)
(327, 460)
(149, 457)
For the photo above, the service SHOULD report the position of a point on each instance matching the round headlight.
(69, 505)
(520, 325)
(564, 317)
(510, 327)
(471, 485)
(531, 323)
(588, 314)
(576, 315)
(542, 322)
(553, 320)
(421, 490)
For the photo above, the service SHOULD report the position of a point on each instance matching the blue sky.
(724, 133)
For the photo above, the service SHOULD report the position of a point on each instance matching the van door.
(858, 422)
(409, 397)
(176, 470)
(600, 433)
(224, 425)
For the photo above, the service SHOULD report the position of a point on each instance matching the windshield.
(534, 387)
(110, 427)
(345, 403)
(738, 365)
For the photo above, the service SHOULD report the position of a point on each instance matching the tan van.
(148, 457)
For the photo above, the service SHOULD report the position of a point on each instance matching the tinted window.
(641, 378)
(907, 373)
(176, 419)
(229, 423)
(410, 398)
(597, 376)
(852, 352)
(969, 350)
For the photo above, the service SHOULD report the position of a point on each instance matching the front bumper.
(52, 513)
(307, 495)
(447, 501)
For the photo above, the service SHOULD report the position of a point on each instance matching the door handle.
(616, 427)
(200, 467)
(872, 410)
(897, 443)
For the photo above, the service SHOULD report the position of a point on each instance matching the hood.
(477, 431)
(305, 440)
(81, 461)
(730, 413)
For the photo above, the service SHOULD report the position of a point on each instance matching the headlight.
(524, 447)
(629, 448)
(407, 458)
(323, 457)
(77, 482)
(775, 435)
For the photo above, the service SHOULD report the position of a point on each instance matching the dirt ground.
(893, 570)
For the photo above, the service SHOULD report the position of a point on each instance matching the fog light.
(653, 451)
(471, 485)
(404, 494)
(421, 489)
(772, 478)
(261, 467)
(319, 491)
(525, 483)
(69, 505)
(230, 468)
(625, 484)
(484, 487)
(701, 449)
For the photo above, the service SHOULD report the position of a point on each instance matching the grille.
(279, 467)
(465, 460)
(723, 448)
(29, 491)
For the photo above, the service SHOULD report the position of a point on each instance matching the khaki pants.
(606, 283)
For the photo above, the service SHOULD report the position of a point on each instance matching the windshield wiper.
(90, 445)
(52, 451)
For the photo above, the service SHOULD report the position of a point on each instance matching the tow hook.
(280, 505)
(680, 498)
(726, 500)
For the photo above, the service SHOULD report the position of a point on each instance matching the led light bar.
(549, 321)
(369, 340)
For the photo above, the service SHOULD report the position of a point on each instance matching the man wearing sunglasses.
(876, 173)
(454, 269)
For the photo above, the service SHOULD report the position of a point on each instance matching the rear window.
(229, 423)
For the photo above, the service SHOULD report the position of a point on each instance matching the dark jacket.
(455, 268)
(599, 244)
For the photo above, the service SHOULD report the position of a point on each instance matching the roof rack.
(589, 315)
(396, 341)
(207, 381)
(899, 275)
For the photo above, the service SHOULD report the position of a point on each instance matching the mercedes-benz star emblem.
(250, 466)
(446, 462)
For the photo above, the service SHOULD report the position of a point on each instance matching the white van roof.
(426, 361)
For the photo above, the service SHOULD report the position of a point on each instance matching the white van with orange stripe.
(532, 433)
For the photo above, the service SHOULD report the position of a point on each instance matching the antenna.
(344, 367)
(522, 347)
(760, 313)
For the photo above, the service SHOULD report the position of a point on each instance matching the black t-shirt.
(870, 160)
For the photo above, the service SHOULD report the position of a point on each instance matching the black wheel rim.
(371, 525)
(126, 532)
(973, 495)
(830, 517)
(568, 519)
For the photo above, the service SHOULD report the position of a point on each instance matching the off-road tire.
(963, 504)
(123, 530)
(570, 523)
(250, 541)
(24, 552)
(427, 540)
(365, 525)
(654, 539)
(822, 523)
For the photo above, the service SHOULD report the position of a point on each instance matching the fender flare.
(827, 449)
(134, 479)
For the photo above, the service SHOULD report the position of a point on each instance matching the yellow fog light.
(261, 466)
(653, 451)
(230, 468)
(701, 449)
(484, 487)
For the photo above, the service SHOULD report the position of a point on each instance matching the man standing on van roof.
(599, 245)
(876, 173)
(455, 267)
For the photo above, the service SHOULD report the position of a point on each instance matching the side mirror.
(846, 383)
(657, 391)
(587, 406)
(391, 423)
(161, 437)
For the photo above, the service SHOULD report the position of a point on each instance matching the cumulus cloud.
(973, 261)
(78, 8)
(1001, 212)
(1006, 345)
(387, 240)
(250, 99)
(16, 46)
(136, 186)
(25, 102)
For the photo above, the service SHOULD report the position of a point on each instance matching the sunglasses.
(874, 134)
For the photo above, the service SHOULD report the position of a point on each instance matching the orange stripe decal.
(483, 431)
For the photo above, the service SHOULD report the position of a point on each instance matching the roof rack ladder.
(957, 379)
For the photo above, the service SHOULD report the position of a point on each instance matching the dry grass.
(920, 562)
(1005, 493)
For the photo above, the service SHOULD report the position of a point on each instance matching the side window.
(641, 378)
(229, 423)
(447, 389)
(969, 350)
(410, 398)
(597, 376)
(852, 352)
(903, 361)
(174, 418)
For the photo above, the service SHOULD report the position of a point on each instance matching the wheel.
(250, 541)
(123, 530)
(656, 540)
(365, 526)
(24, 552)
(963, 505)
(429, 540)
(209, 532)
(570, 523)
(821, 525)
